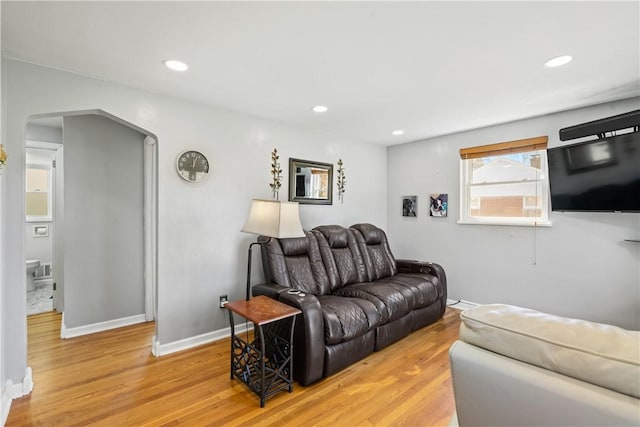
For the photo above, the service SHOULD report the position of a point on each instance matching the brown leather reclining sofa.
(358, 298)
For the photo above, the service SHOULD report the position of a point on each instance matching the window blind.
(502, 148)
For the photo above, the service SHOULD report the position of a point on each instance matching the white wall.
(580, 267)
(44, 133)
(40, 248)
(201, 252)
(103, 221)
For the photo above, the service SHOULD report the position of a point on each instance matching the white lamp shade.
(273, 218)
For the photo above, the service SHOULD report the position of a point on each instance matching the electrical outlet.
(223, 300)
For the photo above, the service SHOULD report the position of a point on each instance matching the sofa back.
(295, 263)
(341, 255)
(376, 254)
(328, 258)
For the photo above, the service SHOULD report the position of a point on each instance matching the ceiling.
(429, 68)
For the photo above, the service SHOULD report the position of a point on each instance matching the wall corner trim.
(100, 326)
(13, 391)
(159, 349)
(7, 398)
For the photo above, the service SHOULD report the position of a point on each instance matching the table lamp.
(271, 218)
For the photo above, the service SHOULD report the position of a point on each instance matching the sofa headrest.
(372, 234)
(336, 235)
(295, 246)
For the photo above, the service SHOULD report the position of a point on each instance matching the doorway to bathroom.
(41, 185)
(100, 222)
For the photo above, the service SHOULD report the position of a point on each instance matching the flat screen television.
(602, 175)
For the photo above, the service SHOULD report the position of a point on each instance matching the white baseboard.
(461, 304)
(7, 398)
(159, 349)
(27, 383)
(100, 326)
(13, 391)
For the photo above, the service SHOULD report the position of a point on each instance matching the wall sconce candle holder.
(3, 157)
(341, 180)
(276, 173)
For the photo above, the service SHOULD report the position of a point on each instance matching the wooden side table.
(265, 364)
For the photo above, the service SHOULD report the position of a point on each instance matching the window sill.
(39, 219)
(505, 221)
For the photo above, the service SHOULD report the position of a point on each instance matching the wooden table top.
(262, 309)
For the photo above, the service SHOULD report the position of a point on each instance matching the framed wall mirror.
(310, 182)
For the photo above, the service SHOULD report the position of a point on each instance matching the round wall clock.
(192, 166)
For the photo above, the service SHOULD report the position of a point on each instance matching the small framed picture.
(438, 204)
(409, 205)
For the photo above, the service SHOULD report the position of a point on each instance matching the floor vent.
(43, 271)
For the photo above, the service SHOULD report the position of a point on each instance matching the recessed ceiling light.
(175, 65)
(319, 109)
(398, 132)
(558, 61)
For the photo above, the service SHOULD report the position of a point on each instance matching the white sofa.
(518, 367)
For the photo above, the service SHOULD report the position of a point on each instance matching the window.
(505, 183)
(38, 204)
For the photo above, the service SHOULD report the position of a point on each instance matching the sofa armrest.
(604, 355)
(413, 266)
(524, 394)
(405, 265)
(272, 290)
(308, 338)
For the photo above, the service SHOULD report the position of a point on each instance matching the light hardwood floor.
(111, 379)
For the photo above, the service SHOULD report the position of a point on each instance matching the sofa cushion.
(600, 354)
(425, 288)
(372, 235)
(347, 318)
(295, 263)
(376, 254)
(392, 300)
(336, 235)
(340, 254)
(295, 246)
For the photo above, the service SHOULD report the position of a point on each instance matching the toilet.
(32, 265)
